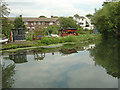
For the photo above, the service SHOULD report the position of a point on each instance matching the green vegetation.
(42, 16)
(52, 29)
(107, 20)
(6, 27)
(51, 40)
(67, 22)
(18, 22)
(89, 15)
(6, 24)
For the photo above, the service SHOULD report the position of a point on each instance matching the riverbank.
(49, 42)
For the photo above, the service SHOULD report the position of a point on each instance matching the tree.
(89, 16)
(76, 16)
(107, 19)
(67, 22)
(5, 23)
(18, 22)
(6, 27)
(52, 29)
(42, 16)
(4, 10)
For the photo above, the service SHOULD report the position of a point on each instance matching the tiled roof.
(35, 19)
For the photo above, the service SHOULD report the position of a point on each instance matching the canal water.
(88, 65)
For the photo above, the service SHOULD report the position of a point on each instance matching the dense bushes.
(51, 40)
(107, 19)
(70, 38)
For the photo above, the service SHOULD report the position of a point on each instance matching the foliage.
(18, 22)
(42, 16)
(89, 15)
(50, 40)
(5, 11)
(76, 16)
(29, 35)
(6, 24)
(51, 29)
(67, 22)
(6, 27)
(107, 19)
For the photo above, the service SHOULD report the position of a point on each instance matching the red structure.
(68, 31)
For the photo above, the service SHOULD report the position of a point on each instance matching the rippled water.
(69, 66)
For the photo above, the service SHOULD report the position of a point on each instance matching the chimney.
(51, 16)
(20, 16)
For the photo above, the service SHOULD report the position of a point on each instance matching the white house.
(84, 22)
(111, 0)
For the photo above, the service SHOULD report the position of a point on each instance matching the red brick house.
(34, 22)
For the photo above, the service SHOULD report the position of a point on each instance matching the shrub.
(69, 38)
(50, 40)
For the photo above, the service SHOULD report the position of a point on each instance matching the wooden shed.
(18, 34)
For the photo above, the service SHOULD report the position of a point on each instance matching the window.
(34, 23)
(26, 23)
(28, 28)
(33, 28)
(58, 23)
(43, 23)
(51, 23)
(38, 23)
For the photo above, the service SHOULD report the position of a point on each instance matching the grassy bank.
(51, 40)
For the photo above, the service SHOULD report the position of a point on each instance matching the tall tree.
(67, 22)
(107, 19)
(76, 16)
(18, 23)
(42, 16)
(4, 10)
(4, 22)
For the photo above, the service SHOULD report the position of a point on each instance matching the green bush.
(29, 35)
(50, 40)
(69, 38)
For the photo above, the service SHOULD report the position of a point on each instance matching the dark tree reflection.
(105, 54)
(8, 75)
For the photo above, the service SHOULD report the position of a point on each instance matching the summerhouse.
(18, 34)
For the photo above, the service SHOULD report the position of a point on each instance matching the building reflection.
(38, 54)
(19, 57)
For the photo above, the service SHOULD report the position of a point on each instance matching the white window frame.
(39, 23)
(26, 23)
(51, 23)
(58, 23)
(43, 23)
(32, 24)
(35, 23)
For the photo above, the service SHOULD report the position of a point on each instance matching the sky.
(48, 8)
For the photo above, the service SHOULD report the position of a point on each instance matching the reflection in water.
(68, 51)
(73, 71)
(8, 75)
(18, 57)
(106, 55)
(38, 56)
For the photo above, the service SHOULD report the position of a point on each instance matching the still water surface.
(69, 66)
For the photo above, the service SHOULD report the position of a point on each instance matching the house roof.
(35, 19)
